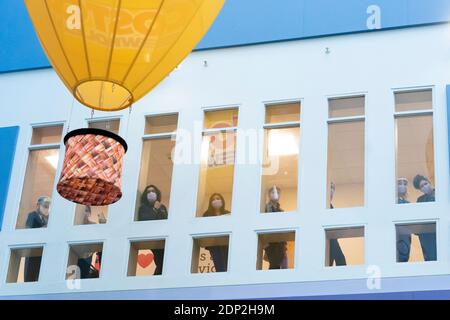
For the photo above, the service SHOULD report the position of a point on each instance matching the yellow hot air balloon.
(110, 53)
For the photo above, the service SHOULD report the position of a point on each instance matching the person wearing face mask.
(402, 190)
(336, 255)
(36, 219)
(427, 240)
(219, 254)
(216, 206)
(424, 185)
(152, 209)
(274, 200)
(39, 217)
(404, 239)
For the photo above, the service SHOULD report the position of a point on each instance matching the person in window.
(39, 217)
(402, 191)
(89, 270)
(427, 239)
(276, 254)
(216, 206)
(274, 200)
(151, 207)
(424, 185)
(89, 218)
(219, 254)
(404, 238)
(336, 255)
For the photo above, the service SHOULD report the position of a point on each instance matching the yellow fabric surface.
(110, 53)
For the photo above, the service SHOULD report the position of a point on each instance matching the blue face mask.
(402, 189)
(427, 189)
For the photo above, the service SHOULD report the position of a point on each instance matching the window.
(146, 258)
(39, 181)
(24, 265)
(416, 242)
(210, 254)
(84, 261)
(414, 147)
(344, 247)
(87, 215)
(281, 153)
(276, 251)
(346, 153)
(218, 152)
(155, 179)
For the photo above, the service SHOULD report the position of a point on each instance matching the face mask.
(216, 204)
(427, 189)
(274, 196)
(44, 210)
(402, 189)
(151, 197)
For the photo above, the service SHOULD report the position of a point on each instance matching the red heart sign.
(144, 260)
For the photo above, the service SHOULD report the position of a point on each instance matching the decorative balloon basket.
(92, 169)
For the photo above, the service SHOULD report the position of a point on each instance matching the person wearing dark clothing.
(427, 240)
(219, 254)
(158, 258)
(274, 200)
(36, 219)
(276, 255)
(336, 256)
(87, 270)
(151, 207)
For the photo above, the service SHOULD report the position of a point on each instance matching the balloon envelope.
(110, 53)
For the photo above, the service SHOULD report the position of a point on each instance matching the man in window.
(39, 217)
(424, 185)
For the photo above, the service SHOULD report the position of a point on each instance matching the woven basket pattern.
(92, 170)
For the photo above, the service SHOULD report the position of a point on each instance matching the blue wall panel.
(242, 22)
(8, 142)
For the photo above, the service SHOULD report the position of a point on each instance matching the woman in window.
(219, 254)
(402, 190)
(216, 206)
(89, 218)
(151, 207)
(274, 200)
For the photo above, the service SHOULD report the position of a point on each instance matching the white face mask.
(151, 197)
(274, 196)
(216, 204)
(402, 189)
(427, 189)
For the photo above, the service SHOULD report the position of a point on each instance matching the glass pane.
(108, 125)
(416, 242)
(413, 101)
(146, 258)
(24, 265)
(280, 170)
(84, 261)
(210, 255)
(47, 135)
(345, 185)
(161, 124)
(276, 251)
(344, 247)
(221, 119)
(415, 159)
(90, 215)
(346, 107)
(288, 112)
(155, 180)
(37, 190)
(216, 174)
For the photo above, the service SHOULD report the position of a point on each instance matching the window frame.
(261, 150)
(361, 118)
(148, 137)
(198, 157)
(70, 244)
(23, 168)
(130, 242)
(197, 236)
(10, 248)
(410, 114)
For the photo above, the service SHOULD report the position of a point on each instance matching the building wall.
(373, 64)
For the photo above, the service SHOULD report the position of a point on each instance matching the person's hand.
(157, 205)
